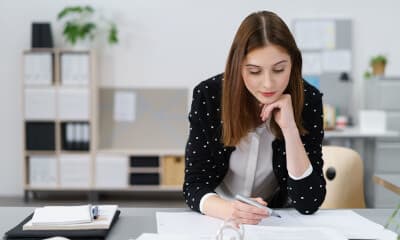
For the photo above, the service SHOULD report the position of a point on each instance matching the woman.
(256, 130)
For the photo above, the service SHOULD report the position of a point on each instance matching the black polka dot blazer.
(207, 159)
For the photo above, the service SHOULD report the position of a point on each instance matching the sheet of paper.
(124, 106)
(311, 63)
(155, 236)
(315, 34)
(336, 61)
(285, 233)
(187, 223)
(346, 222)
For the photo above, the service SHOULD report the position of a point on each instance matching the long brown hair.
(240, 109)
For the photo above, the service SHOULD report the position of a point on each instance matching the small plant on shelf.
(80, 25)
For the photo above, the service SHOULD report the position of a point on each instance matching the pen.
(256, 204)
(95, 212)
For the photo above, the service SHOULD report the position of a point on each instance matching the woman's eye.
(278, 70)
(254, 73)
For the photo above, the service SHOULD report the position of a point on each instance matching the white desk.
(365, 144)
(135, 221)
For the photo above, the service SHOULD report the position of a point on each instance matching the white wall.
(171, 43)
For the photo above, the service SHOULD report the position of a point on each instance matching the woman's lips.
(268, 94)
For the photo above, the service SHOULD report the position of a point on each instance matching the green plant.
(80, 25)
(378, 59)
(393, 222)
(377, 63)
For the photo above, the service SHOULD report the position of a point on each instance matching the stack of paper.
(70, 217)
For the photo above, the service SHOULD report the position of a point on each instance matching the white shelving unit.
(60, 87)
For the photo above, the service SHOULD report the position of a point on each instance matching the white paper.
(124, 106)
(75, 170)
(40, 104)
(74, 104)
(62, 215)
(155, 236)
(311, 63)
(296, 233)
(186, 223)
(38, 68)
(75, 69)
(111, 170)
(42, 171)
(345, 222)
(336, 61)
(315, 34)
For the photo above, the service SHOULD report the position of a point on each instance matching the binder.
(17, 233)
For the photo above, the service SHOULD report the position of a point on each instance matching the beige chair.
(344, 175)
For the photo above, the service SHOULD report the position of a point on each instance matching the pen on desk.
(256, 204)
(95, 212)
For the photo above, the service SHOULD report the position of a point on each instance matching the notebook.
(70, 218)
(61, 215)
(17, 233)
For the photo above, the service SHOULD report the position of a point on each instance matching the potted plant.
(378, 64)
(81, 27)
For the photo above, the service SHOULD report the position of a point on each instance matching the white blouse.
(250, 170)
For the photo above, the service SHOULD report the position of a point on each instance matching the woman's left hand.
(282, 111)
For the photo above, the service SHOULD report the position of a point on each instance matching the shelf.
(144, 170)
(40, 152)
(141, 188)
(144, 152)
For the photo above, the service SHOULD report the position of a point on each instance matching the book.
(71, 218)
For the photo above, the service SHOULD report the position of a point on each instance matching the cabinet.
(383, 94)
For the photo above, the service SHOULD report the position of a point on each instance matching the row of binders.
(76, 136)
(75, 68)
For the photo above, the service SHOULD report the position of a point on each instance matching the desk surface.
(134, 221)
(389, 181)
(355, 132)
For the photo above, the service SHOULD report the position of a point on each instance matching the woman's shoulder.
(311, 93)
(210, 85)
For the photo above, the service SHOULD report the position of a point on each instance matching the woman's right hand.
(243, 213)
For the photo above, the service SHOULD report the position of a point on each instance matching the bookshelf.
(72, 142)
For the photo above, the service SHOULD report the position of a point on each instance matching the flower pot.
(378, 69)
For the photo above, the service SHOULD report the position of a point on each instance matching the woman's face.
(266, 72)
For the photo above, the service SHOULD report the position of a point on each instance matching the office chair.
(344, 174)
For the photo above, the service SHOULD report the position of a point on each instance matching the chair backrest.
(344, 174)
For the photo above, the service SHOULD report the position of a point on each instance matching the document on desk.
(346, 222)
(349, 223)
(201, 227)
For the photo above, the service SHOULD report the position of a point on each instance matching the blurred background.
(95, 94)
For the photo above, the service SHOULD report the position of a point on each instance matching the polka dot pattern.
(207, 159)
